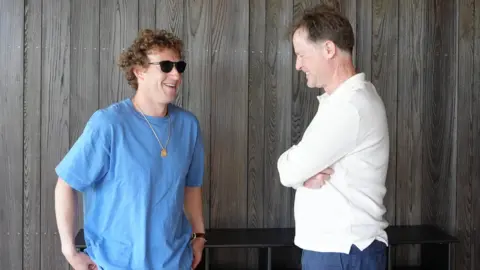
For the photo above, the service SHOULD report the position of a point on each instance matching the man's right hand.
(81, 261)
(318, 180)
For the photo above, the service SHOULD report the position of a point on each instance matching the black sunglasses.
(167, 66)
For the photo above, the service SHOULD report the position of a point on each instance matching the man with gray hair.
(339, 167)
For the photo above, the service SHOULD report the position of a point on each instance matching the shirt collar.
(344, 88)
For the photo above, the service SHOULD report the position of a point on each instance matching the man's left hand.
(197, 245)
(318, 180)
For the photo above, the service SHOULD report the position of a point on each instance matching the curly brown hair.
(147, 41)
(325, 22)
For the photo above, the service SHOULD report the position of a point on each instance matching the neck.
(147, 106)
(343, 71)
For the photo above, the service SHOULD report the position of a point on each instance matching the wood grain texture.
(256, 120)
(55, 70)
(423, 57)
(11, 133)
(278, 201)
(384, 77)
(438, 114)
(197, 81)
(279, 66)
(146, 14)
(467, 159)
(411, 91)
(438, 181)
(229, 116)
(85, 72)
(118, 29)
(475, 149)
(32, 105)
(170, 16)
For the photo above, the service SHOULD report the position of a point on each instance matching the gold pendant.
(164, 152)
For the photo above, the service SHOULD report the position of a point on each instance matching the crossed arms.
(330, 136)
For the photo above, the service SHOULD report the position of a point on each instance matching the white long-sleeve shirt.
(349, 133)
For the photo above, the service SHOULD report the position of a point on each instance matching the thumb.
(91, 263)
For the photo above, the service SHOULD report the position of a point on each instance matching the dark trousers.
(374, 257)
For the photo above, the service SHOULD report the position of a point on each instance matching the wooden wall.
(58, 67)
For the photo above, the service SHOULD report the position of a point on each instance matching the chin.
(311, 84)
(169, 95)
(315, 85)
(171, 99)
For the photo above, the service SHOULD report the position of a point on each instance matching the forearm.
(65, 213)
(328, 140)
(194, 208)
(294, 174)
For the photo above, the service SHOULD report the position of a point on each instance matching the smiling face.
(158, 86)
(315, 59)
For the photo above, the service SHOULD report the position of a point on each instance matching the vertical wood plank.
(364, 33)
(197, 91)
(146, 14)
(438, 114)
(118, 29)
(170, 16)
(55, 120)
(278, 110)
(229, 118)
(411, 90)
(467, 156)
(11, 133)
(384, 77)
(278, 200)
(85, 69)
(32, 135)
(475, 150)
(256, 120)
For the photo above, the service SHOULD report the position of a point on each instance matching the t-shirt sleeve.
(87, 161)
(196, 170)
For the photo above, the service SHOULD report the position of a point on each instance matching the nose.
(298, 64)
(174, 73)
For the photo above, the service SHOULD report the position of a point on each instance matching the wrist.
(198, 236)
(198, 242)
(68, 250)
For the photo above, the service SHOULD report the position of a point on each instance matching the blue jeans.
(374, 257)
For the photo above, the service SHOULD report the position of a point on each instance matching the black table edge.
(444, 238)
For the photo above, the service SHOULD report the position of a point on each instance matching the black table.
(435, 243)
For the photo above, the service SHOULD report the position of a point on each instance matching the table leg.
(265, 258)
(389, 258)
(206, 258)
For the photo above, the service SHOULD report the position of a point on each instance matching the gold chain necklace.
(163, 153)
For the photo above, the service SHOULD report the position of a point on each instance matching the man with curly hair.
(339, 167)
(139, 164)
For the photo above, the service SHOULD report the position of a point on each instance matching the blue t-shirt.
(134, 197)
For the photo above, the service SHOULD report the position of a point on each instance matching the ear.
(329, 49)
(138, 71)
